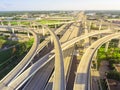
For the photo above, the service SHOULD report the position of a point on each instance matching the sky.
(20, 5)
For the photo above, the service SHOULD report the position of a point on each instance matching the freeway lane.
(24, 62)
(82, 80)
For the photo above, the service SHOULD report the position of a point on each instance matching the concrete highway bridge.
(51, 72)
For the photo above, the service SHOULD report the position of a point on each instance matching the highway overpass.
(43, 61)
(82, 80)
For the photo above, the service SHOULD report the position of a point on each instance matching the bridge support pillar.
(31, 24)
(34, 27)
(9, 24)
(119, 43)
(37, 27)
(95, 60)
(55, 26)
(90, 26)
(2, 23)
(106, 46)
(28, 34)
(100, 26)
(51, 39)
(90, 40)
(18, 23)
(13, 30)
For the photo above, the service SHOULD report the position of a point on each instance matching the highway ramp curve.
(24, 62)
(82, 80)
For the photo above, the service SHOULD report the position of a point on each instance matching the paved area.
(95, 77)
(103, 68)
(114, 85)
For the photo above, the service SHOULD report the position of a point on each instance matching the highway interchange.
(51, 72)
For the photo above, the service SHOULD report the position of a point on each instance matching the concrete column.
(109, 27)
(86, 30)
(31, 24)
(90, 26)
(2, 23)
(28, 34)
(119, 43)
(51, 39)
(9, 24)
(18, 23)
(37, 27)
(106, 46)
(13, 30)
(34, 26)
(95, 58)
(100, 26)
(55, 26)
(90, 40)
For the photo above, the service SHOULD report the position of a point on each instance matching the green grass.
(4, 55)
(112, 55)
(11, 57)
(2, 41)
(48, 21)
(14, 23)
(25, 23)
(113, 75)
(6, 43)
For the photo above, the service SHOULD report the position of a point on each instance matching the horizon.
(53, 5)
(63, 10)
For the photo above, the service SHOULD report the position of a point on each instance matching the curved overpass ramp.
(82, 80)
(59, 83)
(24, 62)
(20, 80)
